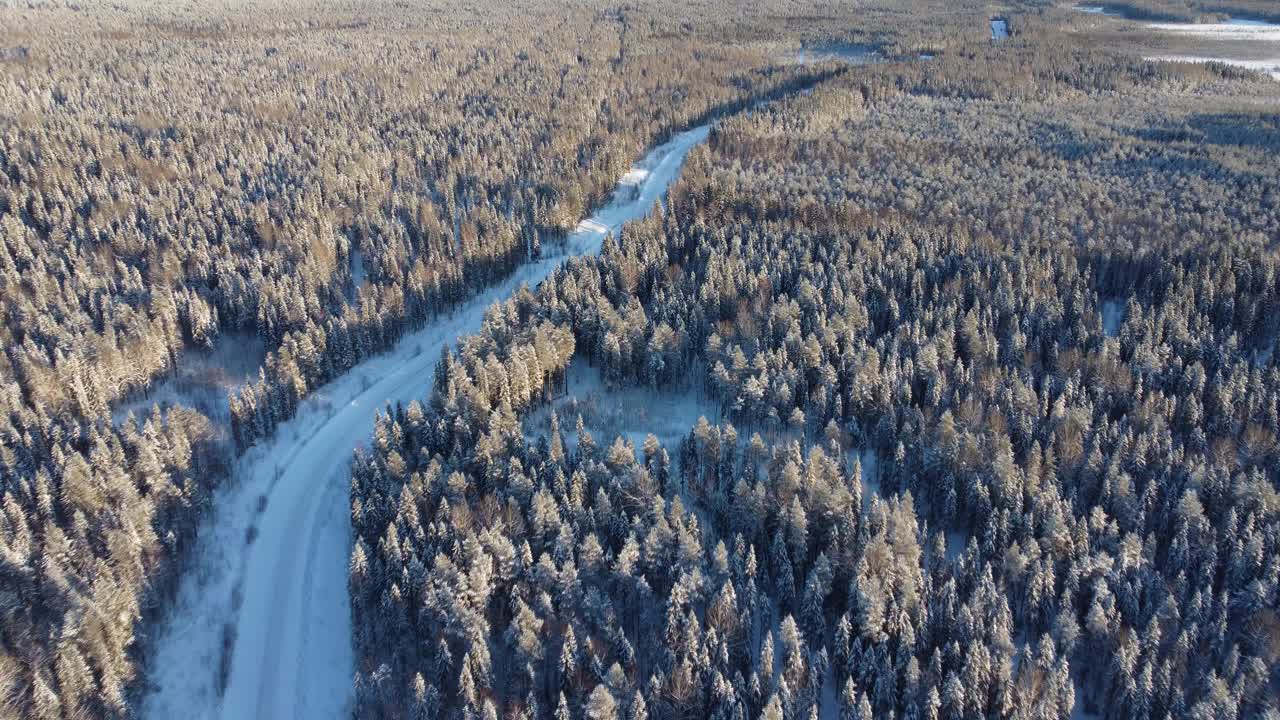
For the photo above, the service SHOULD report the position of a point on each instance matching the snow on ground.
(1077, 710)
(668, 413)
(358, 276)
(1112, 316)
(1245, 40)
(201, 379)
(999, 29)
(1245, 22)
(870, 461)
(845, 52)
(268, 604)
(871, 470)
(1097, 10)
(1270, 67)
(1235, 30)
(956, 544)
(1262, 358)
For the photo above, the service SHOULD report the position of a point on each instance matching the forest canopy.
(1034, 287)
(985, 329)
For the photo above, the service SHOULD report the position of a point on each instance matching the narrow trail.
(279, 601)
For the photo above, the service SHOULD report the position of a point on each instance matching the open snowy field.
(1242, 42)
(1247, 36)
(1270, 67)
(1097, 10)
(267, 614)
(1235, 29)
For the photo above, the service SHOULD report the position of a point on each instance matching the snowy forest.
(1068, 509)
(974, 335)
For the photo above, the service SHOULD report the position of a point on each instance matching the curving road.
(267, 613)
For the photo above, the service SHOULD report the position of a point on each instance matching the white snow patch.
(956, 543)
(1262, 358)
(668, 413)
(358, 276)
(870, 461)
(1245, 22)
(1097, 10)
(591, 226)
(843, 52)
(1235, 29)
(292, 655)
(1270, 67)
(634, 177)
(1232, 30)
(1112, 316)
(1077, 709)
(829, 703)
(201, 379)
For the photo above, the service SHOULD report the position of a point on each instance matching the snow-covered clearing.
(844, 52)
(1078, 711)
(1097, 10)
(870, 462)
(201, 379)
(668, 413)
(1242, 42)
(1262, 358)
(1234, 30)
(268, 610)
(1270, 67)
(1112, 316)
(358, 275)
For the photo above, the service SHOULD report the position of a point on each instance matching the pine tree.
(601, 705)
(638, 709)
(849, 709)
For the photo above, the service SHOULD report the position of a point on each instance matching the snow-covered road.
(270, 594)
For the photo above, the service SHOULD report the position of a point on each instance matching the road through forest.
(271, 582)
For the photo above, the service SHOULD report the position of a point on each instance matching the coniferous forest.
(972, 338)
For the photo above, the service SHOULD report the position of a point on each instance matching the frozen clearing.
(1270, 67)
(201, 379)
(1235, 30)
(358, 278)
(1078, 711)
(668, 413)
(267, 609)
(1233, 35)
(1112, 316)
(1097, 10)
(845, 52)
